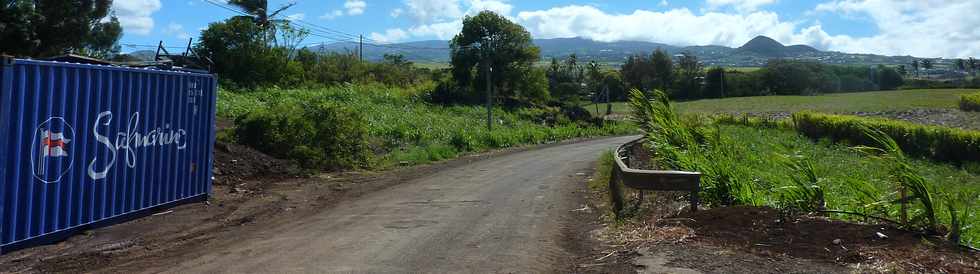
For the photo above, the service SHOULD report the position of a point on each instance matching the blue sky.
(925, 28)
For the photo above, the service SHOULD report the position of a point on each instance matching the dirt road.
(502, 214)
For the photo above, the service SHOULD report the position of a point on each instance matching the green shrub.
(935, 142)
(970, 102)
(316, 135)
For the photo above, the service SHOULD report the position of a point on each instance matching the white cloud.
(355, 7)
(389, 36)
(442, 19)
(136, 16)
(739, 5)
(351, 8)
(920, 28)
(332, 15)
(426, 11)
(176, 30)
(297, 16)
(500, 7)
(663, 3)
(676, 26)
(396, 12)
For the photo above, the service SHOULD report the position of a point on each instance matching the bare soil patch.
(938, 117)
(946, 117)
(762, 231)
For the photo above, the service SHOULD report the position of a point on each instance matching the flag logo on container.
(51, 150)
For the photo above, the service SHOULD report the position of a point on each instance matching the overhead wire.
(335, 35)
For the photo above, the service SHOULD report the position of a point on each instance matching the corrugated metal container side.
(87, 145)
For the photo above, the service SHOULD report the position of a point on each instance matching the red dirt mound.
(236, 163)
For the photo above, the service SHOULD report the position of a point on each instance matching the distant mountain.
(755, 52)
(144, 55)
(589, 49)
(767, 47)
(419, 51)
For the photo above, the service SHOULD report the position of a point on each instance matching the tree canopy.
(507, 48)
(43, 28)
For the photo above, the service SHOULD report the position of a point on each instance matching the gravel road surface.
(503, 214)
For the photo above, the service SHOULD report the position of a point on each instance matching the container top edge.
(109, 67)
(6, 60)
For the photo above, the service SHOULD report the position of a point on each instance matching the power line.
(336, 35)
(148, 46)
(234, 10)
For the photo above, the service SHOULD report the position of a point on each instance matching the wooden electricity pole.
(486, 72)
(360, 48)
(486, 47)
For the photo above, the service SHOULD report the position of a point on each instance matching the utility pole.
(596, 97)
(487, 71)
(360, 48)
(605, 89)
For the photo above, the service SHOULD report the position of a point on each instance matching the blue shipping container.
(87, 145)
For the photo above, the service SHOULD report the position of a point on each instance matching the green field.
(835, 103)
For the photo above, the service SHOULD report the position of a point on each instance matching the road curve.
(503, 214)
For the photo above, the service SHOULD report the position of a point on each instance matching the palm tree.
(258, 11)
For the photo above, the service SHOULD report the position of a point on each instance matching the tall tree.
(240, 53)
(41, 28)
(973, 65)
(915, 66)
(714, 83)
(637, 72)
(594, 73)
(690, 73)
(504, 45)
(888, 78)
(663, 68)
(960, 64)
(901, 70)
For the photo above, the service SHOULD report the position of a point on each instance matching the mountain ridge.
(755, 52)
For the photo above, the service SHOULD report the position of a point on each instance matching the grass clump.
(689, 144)
(970, 102)
(778, 167)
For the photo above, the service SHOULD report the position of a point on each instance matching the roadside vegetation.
(970, 102)
(766, 163)
(364, 126)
